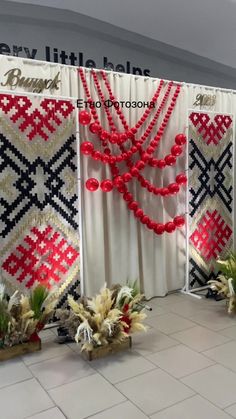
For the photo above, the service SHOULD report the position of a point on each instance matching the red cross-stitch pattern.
(211, 235)
(43, 257)
(212, 131)
(41, 121)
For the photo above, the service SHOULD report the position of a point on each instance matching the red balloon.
(114, 138)
(133, 205)
(128, 196)
(86, 148)
(127, 177)
(138, 213)
(130, 135)
(94, 127)
(179, 221)
(106, 185)
(123, 137)
(121, 188)
(164, 191)
(157, 191)
(170, 160)
(154, 163)
(104, 135)
(161, 164)
(92, 184)
(159, 228)
(150, 150)
(151, 225)
(134, 171)
(170, 227)
(145, 157)
(181, 179)
(176, 150)
(84, 117)
(140, 165)
(97, 155)
(118, 181)
(180, 139)
(105, 158)
(173, 188)
(145, 219)
(112, 159)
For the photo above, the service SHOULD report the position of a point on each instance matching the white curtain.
(117, 247)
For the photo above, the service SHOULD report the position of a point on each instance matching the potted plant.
(104, 324)
(21, 319)
(225, 284)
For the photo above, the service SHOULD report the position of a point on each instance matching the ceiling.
(204, 27)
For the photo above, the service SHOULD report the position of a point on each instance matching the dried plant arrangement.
(108, 318)
(225, 284)
(23, 316)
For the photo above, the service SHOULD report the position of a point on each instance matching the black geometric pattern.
(73, 290)
(198, 276)
(212, 177)
(38, 184)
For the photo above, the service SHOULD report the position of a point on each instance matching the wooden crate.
(18, 350)
(112, 348)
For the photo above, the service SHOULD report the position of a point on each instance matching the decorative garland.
(119, 139)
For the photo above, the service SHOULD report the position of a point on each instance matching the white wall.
(26, 30)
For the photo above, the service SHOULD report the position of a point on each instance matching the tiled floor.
(184, 367)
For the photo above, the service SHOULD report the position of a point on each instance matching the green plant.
(23, 316)
(225, 284)
(37, 298)
(228, 268)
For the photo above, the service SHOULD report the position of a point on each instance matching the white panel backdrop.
(116, 247)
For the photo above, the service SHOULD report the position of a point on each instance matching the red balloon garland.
(146, 156)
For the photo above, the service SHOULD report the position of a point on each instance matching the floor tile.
(86, 397)
(157, 308)
(53, 413)
(23, 399)
(187, 308)
(124, 410)
(154, 391)
(13, 371)
(231, 410)
(49, 350)
(47, 335)
(224, 354)
(199, 338)
(170, 323)
(194, 408)
(157, 311)
(216, 383)
(76, 347)
(122, 366)
(214, 319)
(180, 361)
(152, 341)
(230, 332)
(61, 370)
(166, 301)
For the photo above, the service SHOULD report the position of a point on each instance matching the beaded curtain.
(210, 193)
(38, 200)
